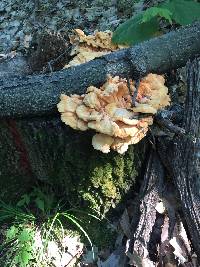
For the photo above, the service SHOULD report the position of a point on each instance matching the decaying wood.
(170, 118)
(181, 157)
(143, 243)
(38, 95)
(185, 165)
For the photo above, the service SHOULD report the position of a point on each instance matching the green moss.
(92, 178)
(78, 174)
(67, 160)
(110, 176)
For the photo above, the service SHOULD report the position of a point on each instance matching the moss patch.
(110, 176)
(66, 159)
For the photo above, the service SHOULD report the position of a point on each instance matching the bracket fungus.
(88, 47)
(108, 110)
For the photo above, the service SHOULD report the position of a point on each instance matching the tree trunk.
(181, 157)
(185, 152)
(143, 243)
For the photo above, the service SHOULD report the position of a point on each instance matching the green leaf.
(145, 25)
(24, 200)
(155, 12)
(25, 235)
(25, 257)
(40, 204)
(134, 30)
(183, 12)
(29, 247)
(12, 232)
(17, 259)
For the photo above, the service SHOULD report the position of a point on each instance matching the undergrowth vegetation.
(39, 231)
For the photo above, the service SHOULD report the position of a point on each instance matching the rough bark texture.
(181, 157)
(38, 95)
(145, 232)
(185, 165)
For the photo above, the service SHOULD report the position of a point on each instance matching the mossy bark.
(44, 149)
(14, 175)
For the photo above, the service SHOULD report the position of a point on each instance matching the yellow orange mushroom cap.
(89, 47)
(108, 110)
(102, 142)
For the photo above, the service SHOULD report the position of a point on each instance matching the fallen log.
(39, 94)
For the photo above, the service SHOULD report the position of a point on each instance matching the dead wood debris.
(174, 252)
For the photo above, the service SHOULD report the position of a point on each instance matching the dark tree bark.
(143, 243)
(181, 158)
(185, 165)
(38, 95)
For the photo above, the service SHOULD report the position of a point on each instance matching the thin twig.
(51, 62)
(169, 125)
(137, 83)
(128, 84)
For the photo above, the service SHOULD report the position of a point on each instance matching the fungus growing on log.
(110, 113)
(88, 47)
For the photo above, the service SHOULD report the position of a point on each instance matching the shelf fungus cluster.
(110, 113)
(88, 47)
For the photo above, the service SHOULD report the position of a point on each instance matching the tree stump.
(179, 159)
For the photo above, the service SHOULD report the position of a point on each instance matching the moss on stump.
(46, 150)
